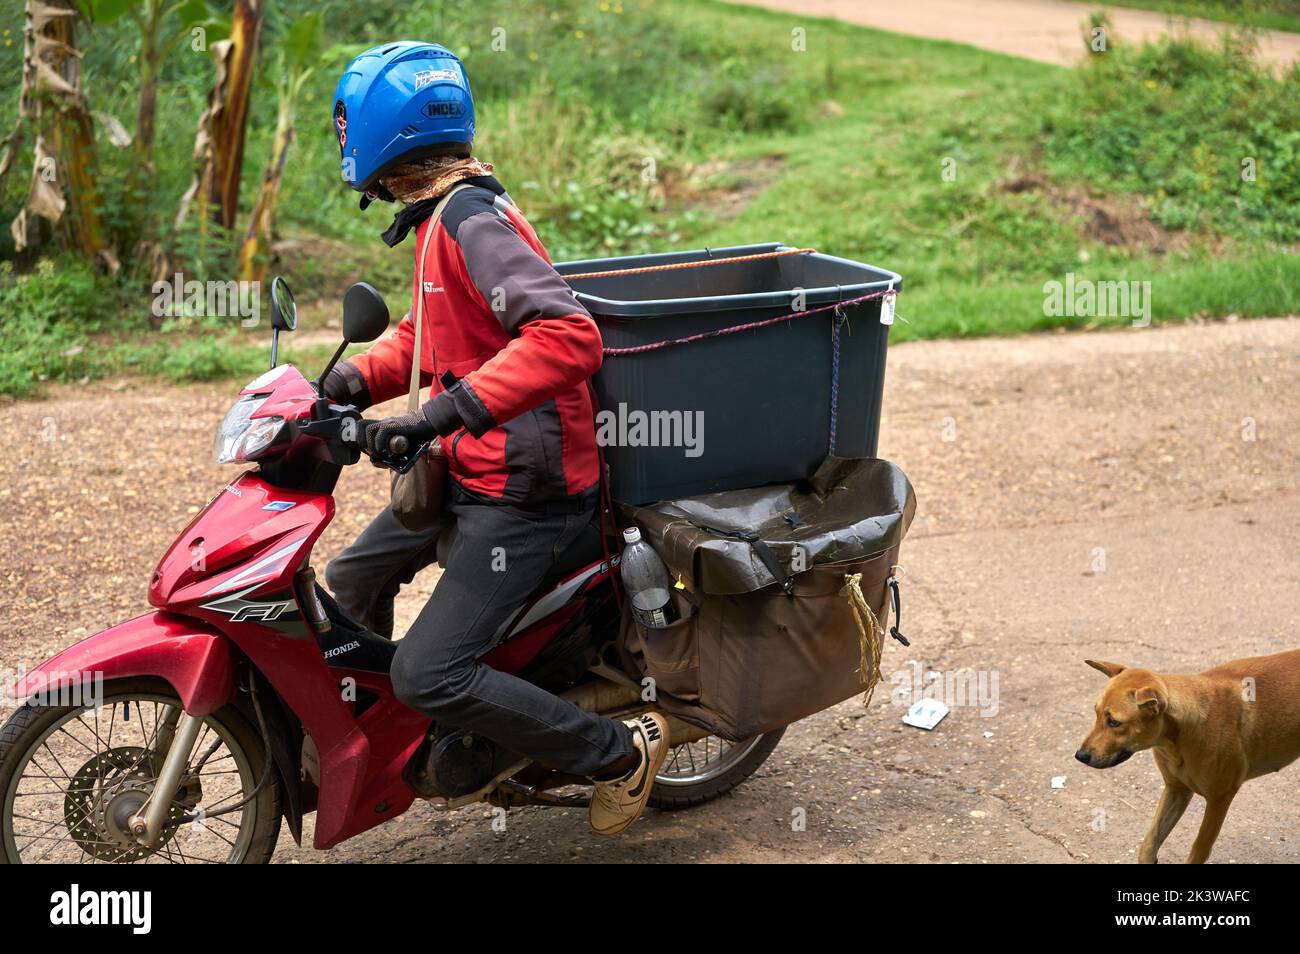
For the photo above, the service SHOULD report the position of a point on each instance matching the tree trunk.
(219, 141)
(64, 188)
(255, 249)
(143, 229)
(230, 121)
(151, 66)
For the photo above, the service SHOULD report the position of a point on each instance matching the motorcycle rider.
(508, 352)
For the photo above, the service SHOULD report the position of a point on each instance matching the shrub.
(46, 315)
(1209, 136)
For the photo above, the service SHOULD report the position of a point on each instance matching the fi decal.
(276, 611)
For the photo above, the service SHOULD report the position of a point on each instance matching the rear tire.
(31, 729)
(682, 785)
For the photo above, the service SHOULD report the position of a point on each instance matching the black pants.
(367, 576)
(500, 556)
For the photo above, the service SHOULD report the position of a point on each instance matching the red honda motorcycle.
(248, 696)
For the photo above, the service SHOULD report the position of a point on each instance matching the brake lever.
(398, 459)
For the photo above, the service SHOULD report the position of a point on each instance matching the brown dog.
(1209, 733)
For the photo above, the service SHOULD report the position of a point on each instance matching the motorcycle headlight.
(241, 437)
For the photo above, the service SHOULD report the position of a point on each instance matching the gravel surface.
(1081, 495)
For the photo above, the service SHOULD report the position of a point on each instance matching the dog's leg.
(1173, 802)
(1216, 809)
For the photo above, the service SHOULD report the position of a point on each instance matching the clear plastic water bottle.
(646, 580)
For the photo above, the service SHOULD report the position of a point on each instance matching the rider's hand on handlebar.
(437, 418)
(414, 426)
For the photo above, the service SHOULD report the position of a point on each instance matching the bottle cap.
(632, 535)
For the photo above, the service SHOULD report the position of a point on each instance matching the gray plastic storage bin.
(763, 396)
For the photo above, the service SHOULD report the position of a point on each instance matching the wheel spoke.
(80, 777)
(699, 761)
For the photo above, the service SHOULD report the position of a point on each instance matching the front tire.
(71, 775)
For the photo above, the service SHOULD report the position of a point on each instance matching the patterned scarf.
(431, 176)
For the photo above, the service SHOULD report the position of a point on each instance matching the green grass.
(41, 346)
(177, 357)
(1213, 142)
(1263, 14)
(974, 252)
(1252, 288)
(975, 175)
(870, 183)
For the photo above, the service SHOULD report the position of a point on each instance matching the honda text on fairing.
(247, 697)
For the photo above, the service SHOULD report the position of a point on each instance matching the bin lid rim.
(662, 307)
(824, 295)
(727, 251)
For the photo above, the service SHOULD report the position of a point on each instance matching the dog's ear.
(1151, 699)
(1110, 669)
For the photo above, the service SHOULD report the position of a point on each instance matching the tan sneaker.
(617, 804)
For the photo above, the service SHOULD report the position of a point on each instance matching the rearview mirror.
(365, 315)
(284, 310)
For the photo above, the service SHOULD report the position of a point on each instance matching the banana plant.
(296, 60)
(53, 109)
(219, 141)
(163, 28)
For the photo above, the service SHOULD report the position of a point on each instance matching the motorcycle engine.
(455, 763)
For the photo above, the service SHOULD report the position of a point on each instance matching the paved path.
(1046, 30)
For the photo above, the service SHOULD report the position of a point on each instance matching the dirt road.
(1046, 30)
(1080, 495)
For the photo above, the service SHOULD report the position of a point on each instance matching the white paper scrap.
(925, 714)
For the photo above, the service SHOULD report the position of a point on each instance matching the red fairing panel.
(191, 656)
(251, 535)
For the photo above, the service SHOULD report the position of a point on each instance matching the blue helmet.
(398, 102)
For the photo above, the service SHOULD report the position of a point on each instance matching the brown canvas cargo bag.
(765, 639)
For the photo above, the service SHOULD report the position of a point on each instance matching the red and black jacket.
(520, 348)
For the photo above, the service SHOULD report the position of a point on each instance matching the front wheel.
(700, 771)
(71, 777)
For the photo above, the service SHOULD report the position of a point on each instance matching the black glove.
(415, 427)
(437, 418)
(346, 385)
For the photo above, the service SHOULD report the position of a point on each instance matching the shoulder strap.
(413, 397)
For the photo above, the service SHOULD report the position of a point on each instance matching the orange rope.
(707, 261)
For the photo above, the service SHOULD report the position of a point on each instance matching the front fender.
(193, 657)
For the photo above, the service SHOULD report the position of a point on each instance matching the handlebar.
(327, 422)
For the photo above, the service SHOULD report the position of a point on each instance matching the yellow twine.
(870, 634)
